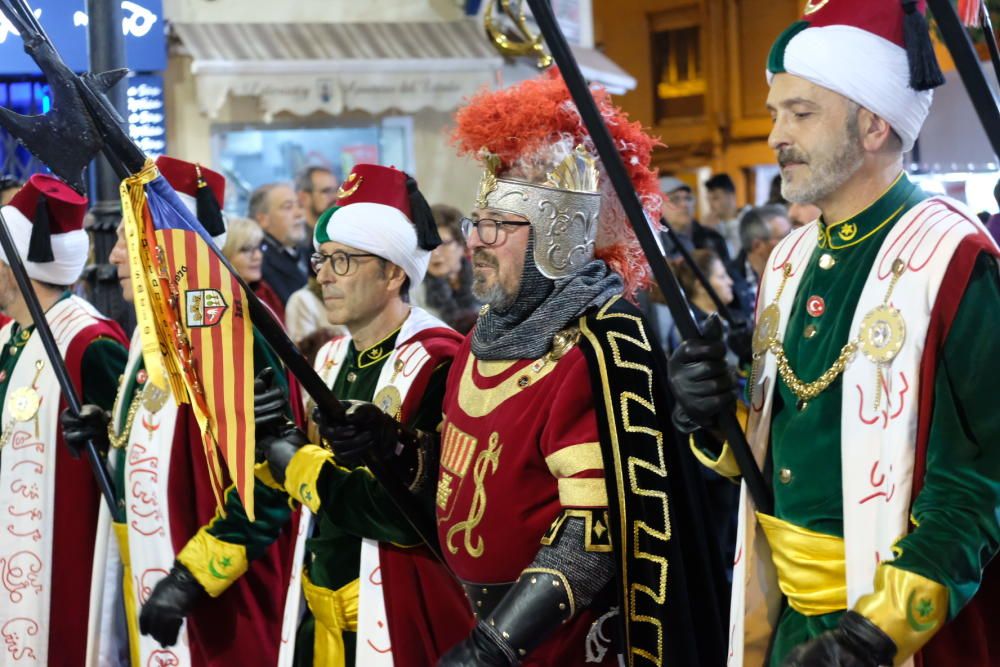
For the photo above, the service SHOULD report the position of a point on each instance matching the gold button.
(352, 376)
(523, 381)
(826, 261)
(13, 349)
(785, 475)
(809, 331)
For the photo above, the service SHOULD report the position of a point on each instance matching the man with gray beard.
(870, 395)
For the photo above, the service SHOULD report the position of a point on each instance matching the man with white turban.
(870, 391)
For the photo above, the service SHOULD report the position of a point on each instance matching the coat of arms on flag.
(191, 315)
(204, 307)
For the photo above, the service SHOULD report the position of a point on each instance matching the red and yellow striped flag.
(197, 338)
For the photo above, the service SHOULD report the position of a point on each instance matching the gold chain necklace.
(120, 440)
(880, 339)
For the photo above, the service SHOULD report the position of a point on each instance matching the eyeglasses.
(488, 230)
(340, 261)
(251, 249)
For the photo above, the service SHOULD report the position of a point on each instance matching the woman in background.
(447, 290)
(242, 249)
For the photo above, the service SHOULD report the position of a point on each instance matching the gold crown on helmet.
(562, 210)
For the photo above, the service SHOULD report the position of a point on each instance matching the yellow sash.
(128, 593)
(812, 571)
(335, 612)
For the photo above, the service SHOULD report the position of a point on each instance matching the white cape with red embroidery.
(876, 513)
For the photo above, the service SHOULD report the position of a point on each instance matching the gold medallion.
(767, 329)
(24, 403)
(154, 398)
(883, 332)
(389, 401)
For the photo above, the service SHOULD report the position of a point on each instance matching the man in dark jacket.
(276, 209)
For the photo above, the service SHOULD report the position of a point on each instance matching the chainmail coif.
(543, 308)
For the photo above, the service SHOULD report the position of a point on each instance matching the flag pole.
(97, 465)
(665, 279)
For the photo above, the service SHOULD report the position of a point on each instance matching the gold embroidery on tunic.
(657, 532)
(574, 459)
(489, 457)
(477, 402)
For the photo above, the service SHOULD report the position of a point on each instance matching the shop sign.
(66, 21)
(146, 118)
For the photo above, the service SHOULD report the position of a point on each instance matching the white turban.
(69, 250)
(863, 67)
(379, 229)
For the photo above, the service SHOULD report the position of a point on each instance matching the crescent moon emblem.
(149, 423)
(911, 618)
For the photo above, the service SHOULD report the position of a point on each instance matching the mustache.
(791, 155)
(485, 257)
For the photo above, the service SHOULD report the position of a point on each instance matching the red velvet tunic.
(507, 472)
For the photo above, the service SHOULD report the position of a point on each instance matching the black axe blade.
(66, 138)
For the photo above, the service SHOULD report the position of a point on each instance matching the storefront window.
(677, 64)
(252, 156)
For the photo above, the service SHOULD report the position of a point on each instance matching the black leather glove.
(700, 377)
(269, 405)
(363, 429)
(91, 424)
(856, 642)
(172, 600)
(478, 649)
(279, 450)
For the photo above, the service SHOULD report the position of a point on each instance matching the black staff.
(679, 308)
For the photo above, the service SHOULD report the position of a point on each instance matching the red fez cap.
(66, 207)
(374, 184)
(183, 177)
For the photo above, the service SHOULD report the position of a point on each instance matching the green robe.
(956, 539)
(353, 504)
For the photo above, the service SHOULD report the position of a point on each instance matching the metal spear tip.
(66, 139)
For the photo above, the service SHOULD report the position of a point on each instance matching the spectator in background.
(802, 214)
(678, 211)
(276, 209)
(8, 188)
(447, 289)
(723, 211)
(305, 313)
(244, 238)
(316, 189)
(774, 195)
(760, 230)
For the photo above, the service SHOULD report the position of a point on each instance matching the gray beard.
(494, 296)
(829, 175)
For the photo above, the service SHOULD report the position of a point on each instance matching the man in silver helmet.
(552, 403)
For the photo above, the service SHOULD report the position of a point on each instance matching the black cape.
(671, 582)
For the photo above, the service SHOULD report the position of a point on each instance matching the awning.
(303, 68)
(598, 68)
